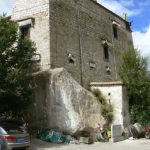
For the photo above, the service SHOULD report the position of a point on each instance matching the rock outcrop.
(134, 131)
(140, 129)
(63, 104)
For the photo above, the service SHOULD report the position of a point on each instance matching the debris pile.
(52, 136)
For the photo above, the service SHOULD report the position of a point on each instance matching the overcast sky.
(138, 11)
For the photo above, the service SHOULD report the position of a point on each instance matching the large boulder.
(63, 104)
(140, 129)
(131, 131)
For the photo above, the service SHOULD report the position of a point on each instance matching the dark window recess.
(71, 58)
(25, 32)
(115, 32)
(106, 53)
(109, 94)
(108, 70)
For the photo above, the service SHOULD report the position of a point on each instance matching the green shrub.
(16, 84)
(106, 109)
(99, 96)
(133, 72)
(107, 112)
(139, 113)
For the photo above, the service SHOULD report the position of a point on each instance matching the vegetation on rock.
(106, 109)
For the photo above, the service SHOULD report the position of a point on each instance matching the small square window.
(108, 70)
(92, 65)
(25, 32)
(71, 58)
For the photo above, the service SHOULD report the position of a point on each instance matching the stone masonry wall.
(78, 27)
(75, 27)
(39, 33)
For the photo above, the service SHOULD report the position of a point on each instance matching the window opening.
(71, 58)
(115, 32)
(108, 70)
(92, 65)
(106, 53)
(25, 32)
(109, 95)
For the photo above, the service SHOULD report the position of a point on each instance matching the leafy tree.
(133, 71)
(15, 81)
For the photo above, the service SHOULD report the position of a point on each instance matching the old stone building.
(81, 36)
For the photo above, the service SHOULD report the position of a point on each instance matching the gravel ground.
(141, 144)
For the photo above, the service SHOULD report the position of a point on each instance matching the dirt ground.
(140, 144)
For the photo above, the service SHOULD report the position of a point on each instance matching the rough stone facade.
(77, 29)
(81, 36)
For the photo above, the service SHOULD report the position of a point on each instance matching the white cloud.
(142, 42)
(120, 7)
(5, 6)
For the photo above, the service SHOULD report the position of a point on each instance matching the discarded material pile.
(52, 136)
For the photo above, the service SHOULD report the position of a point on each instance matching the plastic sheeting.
(52, 136)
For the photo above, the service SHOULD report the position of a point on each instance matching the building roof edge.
(110, 11)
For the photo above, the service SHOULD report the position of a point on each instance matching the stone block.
(140, 129)
(86, 140)
(68, 106)
(117, 139)
(116, 131)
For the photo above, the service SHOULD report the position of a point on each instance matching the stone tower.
(83, 37)
(80, 35)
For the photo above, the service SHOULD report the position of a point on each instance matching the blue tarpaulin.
(52, 136)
